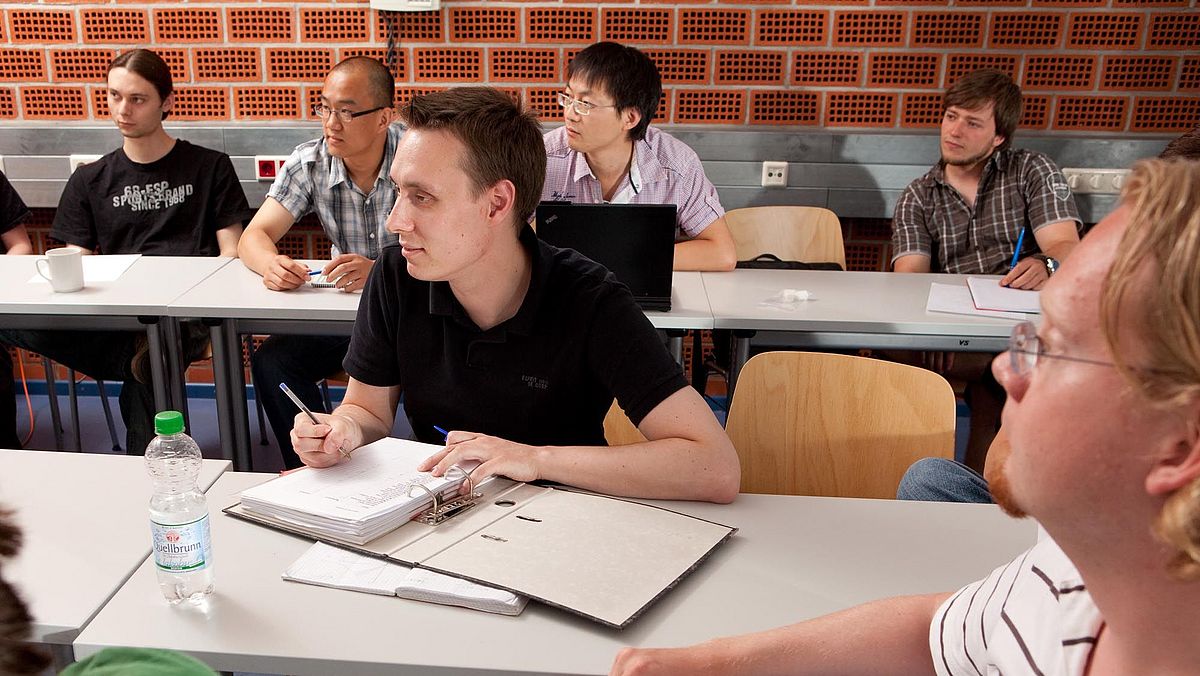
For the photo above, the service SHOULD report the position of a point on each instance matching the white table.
(847, 310)
(86, 527)
(135, 301)
(235, 302)
(794, 558)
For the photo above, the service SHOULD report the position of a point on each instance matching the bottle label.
(182, 548)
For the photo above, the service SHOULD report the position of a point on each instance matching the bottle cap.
(168, 422)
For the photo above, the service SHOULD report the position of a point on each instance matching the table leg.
(158, 376)
(675, 344)
(176, 369)
(741, 354)
(231, 394)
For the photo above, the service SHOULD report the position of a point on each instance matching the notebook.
(987, 294)
(634, 241)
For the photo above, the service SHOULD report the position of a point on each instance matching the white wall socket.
(77, 161)
(1096, 181)
(406, 5)
(774, 174)
(266, 167)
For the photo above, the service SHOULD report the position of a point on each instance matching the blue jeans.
(299, 361)
(942, 480)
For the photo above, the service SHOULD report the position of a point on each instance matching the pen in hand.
(1017, 252)
(444, 433)
(300, 404)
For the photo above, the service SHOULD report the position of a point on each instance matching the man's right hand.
(284, 274)
(324, 444)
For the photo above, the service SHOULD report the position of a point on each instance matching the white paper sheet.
(989, 295)
(98, 268)
(957, 300)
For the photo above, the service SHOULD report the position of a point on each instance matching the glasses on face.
(581, 107)
(346, 116)
(1025, 349)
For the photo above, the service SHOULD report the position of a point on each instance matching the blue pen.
(317, 272)
(1017, 253)
(444, 433)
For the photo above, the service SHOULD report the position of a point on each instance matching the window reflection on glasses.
(346, 116)
(581, 107)
(1025, 349)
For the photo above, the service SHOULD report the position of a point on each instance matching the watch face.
(1051, 265)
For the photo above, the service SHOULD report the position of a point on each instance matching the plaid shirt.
(664, 171)
(313, 180)
(1018, 189)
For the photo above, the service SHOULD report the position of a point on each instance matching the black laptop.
(635, 241)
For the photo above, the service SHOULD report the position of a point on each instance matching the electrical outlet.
(774, 174)
(1096, 181)
(77, 161)
(405, 5)
(266, 167)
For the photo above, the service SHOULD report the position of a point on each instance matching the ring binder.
(442, 510)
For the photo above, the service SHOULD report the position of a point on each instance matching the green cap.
(168, 422)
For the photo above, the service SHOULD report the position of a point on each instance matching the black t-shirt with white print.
(173, 206)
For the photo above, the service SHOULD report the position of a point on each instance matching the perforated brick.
(8, 103)
(32, 25)
(714, 26)
(1145, 73)
(990, 3)
(710, 106)
(522, 65)
(448, 64)
(545, 101)
(114, 25)
(193, 24)
(312, 96)
(785, 107)
(1151, 3)
(99, 102)
(947, 29)
(399, 65)
(642, 25)
(909, 70)
(1166, 113)
(177, 61)
(681, 66)
(881, 3)
(1091, 113)
(921, 110)
(266, 103)
(758, 67)
(484, 24)
(876, 28)
(825, 69)
(791, 27)
(80, 65)
(201, 103)
(860, 109)
(833, 3)
(409, 26)
(1105, 31)
(1061, 71)
(1035, 111)
(1031, 30)
(260, 24)
(407, 93)
(1176, 30)
(958, 65)
(1189, 74)
(330, 24)
(227, 64)
(560, 24)
(1070, 3)
(22, 65)
(866, 256)
(663, 114)
(302, 65)
(53, 103)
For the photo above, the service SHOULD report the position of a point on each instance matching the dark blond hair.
(975, 89)
(1163, 233)
(17, 656)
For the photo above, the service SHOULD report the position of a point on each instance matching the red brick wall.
(1086, 65)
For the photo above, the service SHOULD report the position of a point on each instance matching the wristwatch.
(1051, 263)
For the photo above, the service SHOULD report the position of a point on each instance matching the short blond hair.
(1163, 232)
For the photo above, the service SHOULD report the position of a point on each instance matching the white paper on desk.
(956, 299)
(98, 268)
(338, 568)
(987, 294)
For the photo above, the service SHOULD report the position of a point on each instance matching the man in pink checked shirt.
(607, 152)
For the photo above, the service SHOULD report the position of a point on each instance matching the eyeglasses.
(323, 111)
(1025, 349)
(581, 107)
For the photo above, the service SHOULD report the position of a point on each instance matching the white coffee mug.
(64, 269)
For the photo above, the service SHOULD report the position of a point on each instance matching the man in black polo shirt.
(516, 347)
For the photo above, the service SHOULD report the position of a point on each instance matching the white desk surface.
(794, 558)
(145, 288)
(851, 302)
(86, 527)
(689, 305)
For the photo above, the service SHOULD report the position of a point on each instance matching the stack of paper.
(987, 294)
(358, 499)
(957, 300)
(330, 566)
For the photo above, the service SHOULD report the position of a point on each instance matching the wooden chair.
(805, 423)
(806, 234)
(619, 430)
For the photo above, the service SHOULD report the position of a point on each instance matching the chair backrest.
(619, 430)
(828, 424)
(806, 234)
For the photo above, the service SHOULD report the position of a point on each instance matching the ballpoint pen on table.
(300, 404)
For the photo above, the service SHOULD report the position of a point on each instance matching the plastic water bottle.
(178, 513)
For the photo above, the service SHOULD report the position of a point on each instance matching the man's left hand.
(1030, 273)
(349, 270)
(497, 457)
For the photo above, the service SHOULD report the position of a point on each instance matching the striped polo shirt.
(1030, 616)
